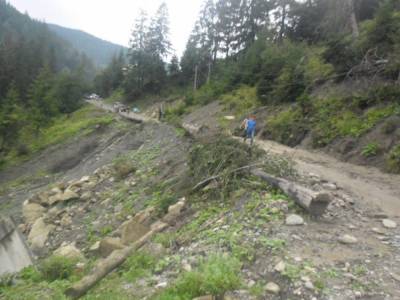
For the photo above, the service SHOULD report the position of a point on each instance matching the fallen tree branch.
(313, 202)
(205, 182)
(107, 265)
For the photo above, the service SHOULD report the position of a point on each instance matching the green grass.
(81, 122)
(214, 276)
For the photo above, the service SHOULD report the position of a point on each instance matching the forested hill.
(100, 51)
(26, 46)
(42, 77)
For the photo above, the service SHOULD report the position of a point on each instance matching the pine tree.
(11, 118)
(158, 35)
(42, 99)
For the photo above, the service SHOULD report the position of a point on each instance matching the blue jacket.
(251, 125)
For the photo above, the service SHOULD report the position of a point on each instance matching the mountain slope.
(100, 51)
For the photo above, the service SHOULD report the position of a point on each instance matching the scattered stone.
(347, 239)
(108, 245)
(330, 186)
(389, 223)
(395, 277)
(155, 249)
(309, 285)
(280, 267)
(66, 221)
(69, 251)
(86, 196)
(174, 211)
(69, 195)
(39, 234)
(273, 288)
(162, 285)
(187, 267)
(378, 230)
(294, 220)
(95, 247)
(132, 231)
(32, 212)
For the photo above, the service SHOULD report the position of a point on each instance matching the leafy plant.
(57, 267)
(393, 160)
(370, 149)
(214, 276)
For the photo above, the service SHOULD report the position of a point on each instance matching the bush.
(138, 265)
(393, 160)
(123, 166)
(57, 268)
(370, 150)
(241, 100)
(215, 276)
(220, 157)
(288, 127)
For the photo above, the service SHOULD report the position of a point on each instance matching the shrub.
(57, 268)
(370, 150)
(138, 265)
(393, 160)
(214, 276)
(123, 166)
(220, 157)
(287, 127)
(241, 100)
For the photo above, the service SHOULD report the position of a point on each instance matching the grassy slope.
(61, 129)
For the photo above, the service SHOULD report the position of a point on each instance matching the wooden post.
(195, 78)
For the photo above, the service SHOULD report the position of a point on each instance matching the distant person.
(160, 112)
(250, 129)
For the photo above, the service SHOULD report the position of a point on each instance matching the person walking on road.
(250, 129)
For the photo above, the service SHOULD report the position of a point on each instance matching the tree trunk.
(107, 265)
(283, 21)
(353, 19)
(313, 202)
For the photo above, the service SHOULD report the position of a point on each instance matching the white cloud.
(112, 20)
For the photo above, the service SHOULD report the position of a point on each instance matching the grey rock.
(294, 220)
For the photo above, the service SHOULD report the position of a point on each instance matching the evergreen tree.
(42, 99)
(11, 118)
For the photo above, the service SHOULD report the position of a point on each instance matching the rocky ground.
(351, 252)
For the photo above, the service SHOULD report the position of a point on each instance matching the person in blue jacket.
(251, 129)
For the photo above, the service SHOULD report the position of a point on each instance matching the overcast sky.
(112, 20)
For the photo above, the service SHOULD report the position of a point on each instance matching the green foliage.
(123, 166)
(220, 157)
(138, 265)
(371, 149)
(214, 276)
(57, 268)
(392, 161)
(335, 118)
(241, 100)
(11, 119)
(288, 127)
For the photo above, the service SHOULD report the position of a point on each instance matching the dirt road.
(368, 185)
(365, 184)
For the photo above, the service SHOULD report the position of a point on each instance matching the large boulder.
(32, 212)
(38, 235)
(69, 251)
(174, 211)
(133, 231)
(108, 245)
